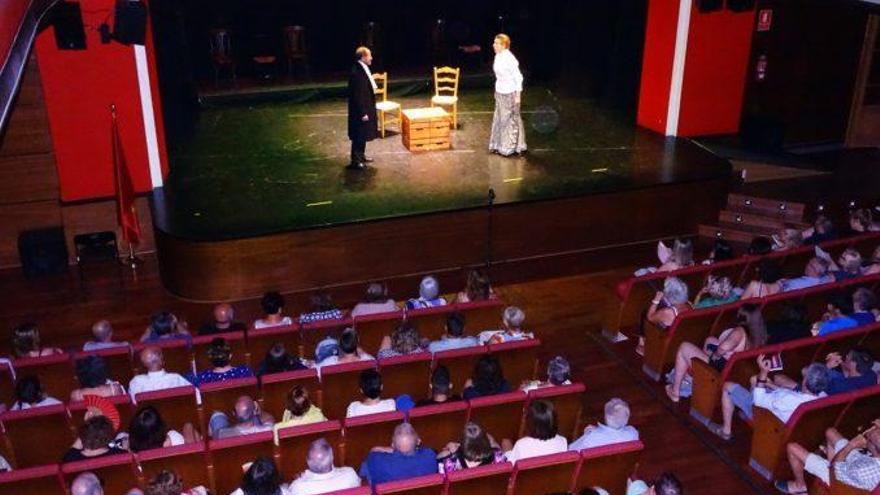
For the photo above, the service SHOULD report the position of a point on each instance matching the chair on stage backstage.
(446, 90)
(384, 105)
(221, 55)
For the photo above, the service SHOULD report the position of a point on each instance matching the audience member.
(247, 418)
(148, 431)
(767, 281)
(488, 379)
(371, 388)
(477, 448)
(848, 266)
(721, 251)
(278, 360)
(223, 321)
(788, 239)
(717, 291)
(349, 350)
(102, 333)
(441, 388)
(760, 246)
(864, 306)
(862, 220)
(792, 324)
(512, 319)
(406, 458)
(542, 435)
(405, 339)
(782, 402)
(299, 409)
(666, 484)
(615, 429)
(454, 337)
(665, 308)
(169, 483)
(26, 342)
(322, 309)
(429, 295)
(273, 308)
(847, 373)
(29, 393)
(93, 376)
(322, 476)
(375, 301)
(558, 373)
(815, 273)
(165, 326)
(682, 256)
(262, 478)
(873, 266)
(477, 288)
(837, 315)
(156, 378)
(86, 484)
(95, 435)
(220, 354)
(4, 465)
(821, 231)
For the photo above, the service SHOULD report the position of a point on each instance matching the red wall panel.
(657, 64)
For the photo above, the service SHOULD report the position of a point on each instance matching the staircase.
(747, 217)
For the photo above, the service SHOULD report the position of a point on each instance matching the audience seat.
(118, 360)
(340, 385)
(36, 436)
(430, 322)
(460, 363)
(177, 406)
(221, 396)
(861, 411)
(481, 315)
(544, 474)
(123, 405)
(294, 442)
(429, 484)
(236, 341)
(190, 462)
(500, 415)
(568, 404)
(362, 433)
(608, 467)
(176, 354)
(260, 341)
(41, 480)
(519, 359)
(118, 473)
(480, 480)
(56, 373)
(372, 328)
(662, 344)
(229, 455)
(7, 385)
(408, 374)
(439, 424)
(274, 389)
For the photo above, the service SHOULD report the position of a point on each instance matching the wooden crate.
(426, 129)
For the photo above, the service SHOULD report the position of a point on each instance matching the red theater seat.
(118, 473)
(567, 402)
(56, 373)
(408, 374)
(361, 490)
(229, 455)
(37, 436)
(7, 385)
(431, 322)
(481, 315)
(294, 442)
(362, 433)
(236, 341)
(176, 354)
(544, 474)
(519, 359)
(480, 480)
(372, 328)
(608, 467)
(42, 480)
(121, 402)
(189, 461)
(460, 363)
(221, 396)
(430, 484)
(260, 341)
(439, 424)
(275, 387)
(177, 406)
(340, 385)
(500, 415)
(118, 360)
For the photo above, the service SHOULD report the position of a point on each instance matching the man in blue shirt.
(839, 309)
(845, 374)
(815, 273)
(864, 304)
(404, 459)
(454, 337)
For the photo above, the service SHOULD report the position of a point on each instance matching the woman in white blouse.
(508, 134)
(542, 434)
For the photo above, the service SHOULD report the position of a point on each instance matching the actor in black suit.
(361, 108)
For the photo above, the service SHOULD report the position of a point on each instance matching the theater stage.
(258, 197)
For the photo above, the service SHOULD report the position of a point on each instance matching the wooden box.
(426, 129)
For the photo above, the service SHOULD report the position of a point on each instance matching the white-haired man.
(86, 484)
(616, 428)
(321, 476)
(404, 459)
(512, 319)
(429, 295)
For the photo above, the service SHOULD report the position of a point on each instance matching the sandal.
(783, 486)
(718, 430)
(640, 347)
(674, 398)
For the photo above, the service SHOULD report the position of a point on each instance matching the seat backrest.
(176, 354)
(430, 322)
(7, 384)
(500, 415)
(117, 359)
(340, 385)
(118, 473)
(810, 420)
(189, 461)
(122, 403)
(608, 467)
(294, 442)
(544, 474)
(177, 406)
(40, 435)
(274, 389)
(42, 480)
(362, 433)
(481, 315)
(55, 372)
(260, 341)
(229, 455)
(221, 396)
(381, 79)
(519, 359)
(235, 340)
(372, 328)
(460, 363)
(862, 409)
(408, 374)
(567, 402)
(446, 80)
(429, 484)
(439, 424)
(480, 480)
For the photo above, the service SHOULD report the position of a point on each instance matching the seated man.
(165, 326)
(86, 484)
(429, 295)
(224, 321)
(558, 374)
(848, 266)
(454, 338)
(782, 402)
(103, 337)
(815, 273)
(836, 317)
(156, 378)
(864, 305)
(512, 320)
(321, 476)
(845, 374)
(404, 459)
(441, 386)
(349, 350)
(248, 419)
(371, 388)
(615, 429)
(856, 462)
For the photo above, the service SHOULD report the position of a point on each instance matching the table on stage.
(426, 129)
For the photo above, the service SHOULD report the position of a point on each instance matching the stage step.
(729, 234)
(784, 210)
(750, 218)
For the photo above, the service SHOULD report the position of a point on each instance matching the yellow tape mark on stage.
(513, 179)
(319, 203)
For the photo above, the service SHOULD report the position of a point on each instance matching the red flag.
(126, 214)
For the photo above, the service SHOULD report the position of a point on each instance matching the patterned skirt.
(508, 134)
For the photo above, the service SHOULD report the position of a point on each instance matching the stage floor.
(269, 167)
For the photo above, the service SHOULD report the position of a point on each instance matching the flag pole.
(132, 261)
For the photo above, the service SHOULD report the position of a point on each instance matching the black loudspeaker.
(68, 23)
(741, 5)
(130, 22)
(709, 5)
(42, 252)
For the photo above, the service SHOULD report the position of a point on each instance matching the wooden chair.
(429, 484)
(222, 57)
(460, 363)
(230, 455)
(177, 406)
(42, 480)
(439, 424)
(608, 467)
(294, 442)
(56, 373)
(519, 359)
(567, 402)
(409, 374)
(190, 462)
(372, 328)
(384, 105)
(362, 433)
(117, 359)
(118, 473)
(37, 436)
(236, 341)
(544, 474)
(446, 90)
(662, 344)
(295, 48)
(340, 385)
(480, 480)
(274, 389)
(500, 415)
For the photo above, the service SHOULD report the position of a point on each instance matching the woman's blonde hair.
(504, 39)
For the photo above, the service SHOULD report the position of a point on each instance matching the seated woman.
(542, 435)
(682, 256)
(375, 301)
(261, 478)
(862, 220)
(299, 409)
(322, 309)
(95, 436)
(721, 251)
(717, 291)
(477, 448)
(26, 342)
(92, 373)
(273, 307)
(488, 379)
(429, 295)
(220, 355)
(29, 393)
(371, 389)
(278, 360)
(164, 325)
(148, 431)
(748, 333)
(405, 339)
(512, 319)
(767, 282)
(558, 373)
(349, 350)
(821, 231)
(477, 288)
(873, 265)
(665, 308)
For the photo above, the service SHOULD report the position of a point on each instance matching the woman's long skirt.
(508, 134)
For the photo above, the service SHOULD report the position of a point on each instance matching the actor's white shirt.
(155, 380)
(369, 75)
(309, 483)
(508, 78)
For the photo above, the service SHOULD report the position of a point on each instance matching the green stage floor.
(258, 168)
